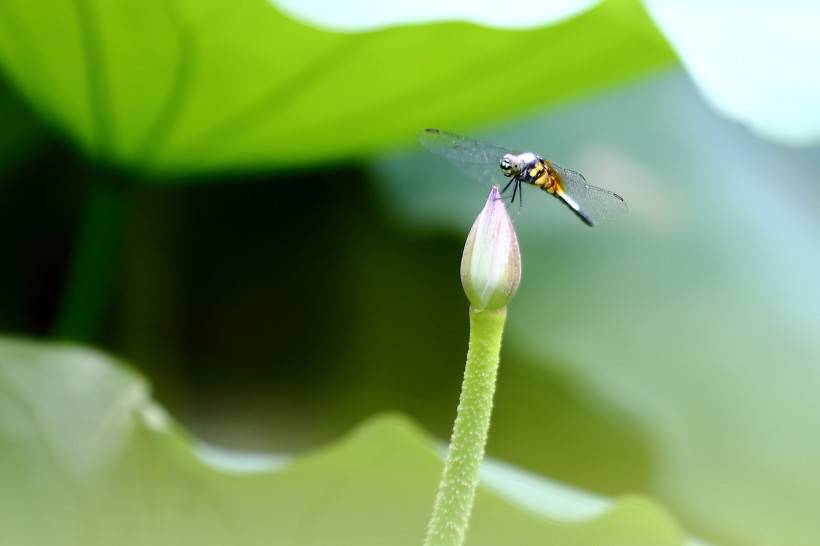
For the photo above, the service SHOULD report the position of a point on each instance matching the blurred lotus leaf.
(194, 85)
(81, 441)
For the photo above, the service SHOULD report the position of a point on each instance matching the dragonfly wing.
(477, 159)
(595, 203)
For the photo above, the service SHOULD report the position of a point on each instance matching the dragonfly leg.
(516, 187)
(501, 194)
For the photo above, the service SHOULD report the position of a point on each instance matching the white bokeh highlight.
(755, 62)
(362, 15)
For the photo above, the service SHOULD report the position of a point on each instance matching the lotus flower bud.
(491, 264)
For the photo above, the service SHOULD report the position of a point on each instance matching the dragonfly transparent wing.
(477, 159)
(596, 203)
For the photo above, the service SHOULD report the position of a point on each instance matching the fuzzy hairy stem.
(456, 493)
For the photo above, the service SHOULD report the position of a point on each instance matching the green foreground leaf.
(196, 85)
(86, 458)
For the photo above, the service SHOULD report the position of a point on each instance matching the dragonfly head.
(510, 165)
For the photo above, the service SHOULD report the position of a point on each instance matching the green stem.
(94, 264)
(454, 501)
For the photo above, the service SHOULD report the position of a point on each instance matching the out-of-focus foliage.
(195, 85)
(20, 131)
(696, 315)
(754, 61)
(81, 441)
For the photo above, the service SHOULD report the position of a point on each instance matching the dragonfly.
(485, 162)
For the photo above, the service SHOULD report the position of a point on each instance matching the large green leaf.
(86, 458)
(194, 85)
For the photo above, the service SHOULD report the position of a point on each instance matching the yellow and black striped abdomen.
(545, 177)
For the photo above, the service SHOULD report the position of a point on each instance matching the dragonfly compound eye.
(506, 166)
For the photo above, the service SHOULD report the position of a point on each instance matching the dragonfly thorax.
(518, 165)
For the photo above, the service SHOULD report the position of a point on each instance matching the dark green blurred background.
(271, 312)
